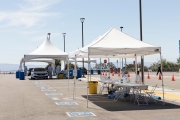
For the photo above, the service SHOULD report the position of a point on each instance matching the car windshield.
(39, 69)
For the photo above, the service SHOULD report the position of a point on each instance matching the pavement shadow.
(121, 105)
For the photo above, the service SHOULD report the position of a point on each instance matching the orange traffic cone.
(118, 74)
(112, 73)
(148, 77)
(173, 78)
(128, 75)
(105, 74)
(159, 77)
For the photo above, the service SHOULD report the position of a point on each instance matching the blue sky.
(24, 24)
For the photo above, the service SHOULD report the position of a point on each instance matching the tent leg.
(109, 68)
(68, 75)
(88, 79)
(136, 65)
(162, 79)
(75, 71)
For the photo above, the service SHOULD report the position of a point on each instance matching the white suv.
(37, 73)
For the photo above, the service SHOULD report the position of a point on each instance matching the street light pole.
(142, 57)
(82, 21)
(64, 40)
(122, 58)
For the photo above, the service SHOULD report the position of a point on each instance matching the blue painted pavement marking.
(66, 103)
(54, 94)
(54, 98)
(48, 90)
(80, 114)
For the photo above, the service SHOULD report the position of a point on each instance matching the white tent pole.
(136, 65)
(88, 79)
(162, 79)
(109, 67)
(75, 74)
(75, 79)
(68, 73)
(100, 65)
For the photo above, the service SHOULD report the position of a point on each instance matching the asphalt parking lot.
(52, 100)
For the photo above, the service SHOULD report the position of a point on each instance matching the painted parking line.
(54, 94)
(54, 98)
(80, 114)
(48, 90)
(66, 103)
(76, 98)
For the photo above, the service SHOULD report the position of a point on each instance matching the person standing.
(58, 70)
(159, 69)
(138, 79)
(50, 71)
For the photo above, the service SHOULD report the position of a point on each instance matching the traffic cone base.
(159, 78)
(148, 77)
(128, 75)
(173, 78)
(118, 74)
(113, 74)
(105, 74)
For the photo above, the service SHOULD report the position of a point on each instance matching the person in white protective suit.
(138, 79)
(58, 70)
(50, 69)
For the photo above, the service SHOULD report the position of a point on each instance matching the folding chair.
(140, 97)
(151, 93)
(103, 85)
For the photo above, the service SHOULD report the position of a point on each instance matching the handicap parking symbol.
(80, 114)
(66, 103)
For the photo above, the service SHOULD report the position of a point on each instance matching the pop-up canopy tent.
(85, 60)
(116, 44)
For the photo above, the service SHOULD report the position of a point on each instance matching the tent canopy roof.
(116, 44)
(46, 50)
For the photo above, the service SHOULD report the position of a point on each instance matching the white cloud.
(29, 14)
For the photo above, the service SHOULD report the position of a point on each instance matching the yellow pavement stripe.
(167, 95)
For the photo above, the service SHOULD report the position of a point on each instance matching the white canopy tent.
(85, 60)
(45, 51)
(116, 44)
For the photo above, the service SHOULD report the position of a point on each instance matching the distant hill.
(14, 67)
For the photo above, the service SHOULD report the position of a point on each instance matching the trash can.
(70, 74)
(92, 71)
(92, 87)
(21, 75)
(79, 73)
(17, 74)
(61, 75)
(99, 72)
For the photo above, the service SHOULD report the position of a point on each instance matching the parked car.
(29, 71)
(38, 73)
(83, 70)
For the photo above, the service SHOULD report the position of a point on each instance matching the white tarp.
(85, 60)
(116, 44)
(46, 50)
